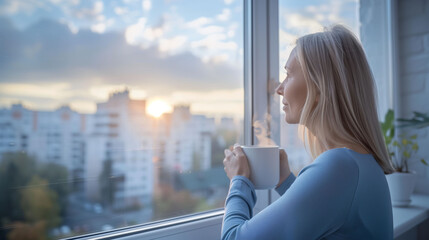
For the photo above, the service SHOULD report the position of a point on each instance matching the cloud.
(144, 35)
(98, 28)
(40, 90)
(227, 101)
(199, 22)
(212, 43)
(72, 27)
(83, 106)
(101, 26)
(300, 23)
(172, 45)
(65, 2)
(94, 13)
(48, 52)
(212, 29)
(98, 7)
(133, 32)
(121, 10)
(329, 12)
(313, 18)
(146, 5)
(215, 42)
(225, 15)
(11, 7)
(287, 43)
(228, 2)
(232, 29)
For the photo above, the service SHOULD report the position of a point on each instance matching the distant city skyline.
(155, 107)
(120, 159)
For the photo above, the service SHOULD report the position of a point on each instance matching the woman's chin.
(289, 120)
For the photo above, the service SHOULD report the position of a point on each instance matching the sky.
(75, 52)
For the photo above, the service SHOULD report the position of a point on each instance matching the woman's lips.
(284, 107)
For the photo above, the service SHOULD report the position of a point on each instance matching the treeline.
(33, 196)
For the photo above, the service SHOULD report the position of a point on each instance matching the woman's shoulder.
(337, 160)
(342, 156)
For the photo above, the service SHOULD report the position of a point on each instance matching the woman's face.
(293, 89)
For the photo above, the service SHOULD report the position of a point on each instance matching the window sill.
(405, 219)
(184, 227)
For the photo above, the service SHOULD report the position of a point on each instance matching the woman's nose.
(279, 89)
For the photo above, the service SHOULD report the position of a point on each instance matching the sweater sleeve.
(315, 205)
(285, 185)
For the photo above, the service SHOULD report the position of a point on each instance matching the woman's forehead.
(291, 60)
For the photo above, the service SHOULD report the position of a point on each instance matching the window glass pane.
(115, 113)
(298, 18)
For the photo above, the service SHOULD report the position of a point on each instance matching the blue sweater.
(341, 195)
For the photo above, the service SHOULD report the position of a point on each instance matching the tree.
(57, 176)
(41, 211)
(196, 161)
(30, 195)
(16, 170)
(40, 203)
(107, 186)
(27, 231)
(171, 203)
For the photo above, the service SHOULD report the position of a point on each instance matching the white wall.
(413, 54)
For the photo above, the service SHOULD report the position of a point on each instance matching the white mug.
(264, 164)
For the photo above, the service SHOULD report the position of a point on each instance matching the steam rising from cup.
(262, 133)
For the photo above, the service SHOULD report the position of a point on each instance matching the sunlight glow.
(157, 108)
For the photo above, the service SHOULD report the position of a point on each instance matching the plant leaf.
(419, 120)
(406, 154)
(424, 162)
(421, 115)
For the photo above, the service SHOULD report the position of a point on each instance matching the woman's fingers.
(284, 166)
(235, 162)
(283, 154)
(227, 152)
(238, 150)
(227, 155)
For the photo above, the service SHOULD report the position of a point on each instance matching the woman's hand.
(284, 166)
(236, 163)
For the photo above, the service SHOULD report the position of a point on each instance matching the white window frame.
(261, 77)
(381, 49)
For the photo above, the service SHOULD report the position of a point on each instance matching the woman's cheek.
(288, 95)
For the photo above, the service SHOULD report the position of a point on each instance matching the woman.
(343, 194)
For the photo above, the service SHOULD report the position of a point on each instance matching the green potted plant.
(419, 120)
(402, 150)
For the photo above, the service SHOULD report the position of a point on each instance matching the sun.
(157, 108)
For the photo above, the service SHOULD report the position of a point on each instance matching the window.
(99, 86)
(68, 68)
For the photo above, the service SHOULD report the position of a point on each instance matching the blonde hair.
(340, 107)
